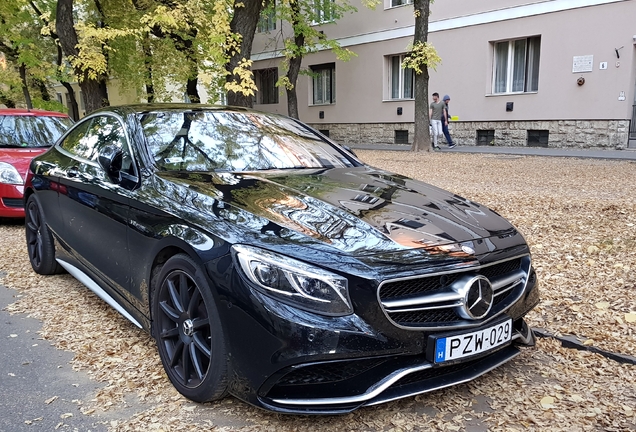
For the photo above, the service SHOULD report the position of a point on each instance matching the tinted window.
(31, 131)
(234, 141)
(89, 138)
(76, 141)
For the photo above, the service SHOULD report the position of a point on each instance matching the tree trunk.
(186, 46)
(25, 87)
(94, 93)
(294, 64)
(422, 137)
(244, 22)
(73, 109)
(44, 92)
(150, 88)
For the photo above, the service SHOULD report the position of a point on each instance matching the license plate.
(465, 345)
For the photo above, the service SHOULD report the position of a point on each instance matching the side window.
(108, 132)
(92, 136)
(78, 142)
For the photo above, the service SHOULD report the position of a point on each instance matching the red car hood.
(20, 158)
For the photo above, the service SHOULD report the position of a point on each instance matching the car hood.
(20, 158)
(358, 210)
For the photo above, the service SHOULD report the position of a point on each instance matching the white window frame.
(402, 77)
(321, 15)
(325, 75)
(516, 81)
(267, 21)
(389, 4)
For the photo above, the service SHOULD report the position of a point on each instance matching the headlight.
(9, 175)
(295, 282)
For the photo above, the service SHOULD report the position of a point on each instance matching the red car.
(24, 134)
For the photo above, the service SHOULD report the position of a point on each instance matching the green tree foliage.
(157, 50)
(307, 38)
(29, 58)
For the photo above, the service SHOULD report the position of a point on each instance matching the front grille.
(413, 286)
(13, 202)
(425, 317)
(430, 301)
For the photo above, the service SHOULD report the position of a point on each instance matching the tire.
(187, 329)
(40, 244)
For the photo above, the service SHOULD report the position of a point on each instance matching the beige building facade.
(558, 73)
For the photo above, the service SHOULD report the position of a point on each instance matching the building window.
(325, 132)
(401, 137)
(265, 80)
(516, 68)
(395, 3)
(486, 137)
(324, 83)
(402, 80)
(267, 21)
(538, 138)
(323, 11)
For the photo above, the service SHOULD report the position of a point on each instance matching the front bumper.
(291, 361)
(11, 201)
(388, 379)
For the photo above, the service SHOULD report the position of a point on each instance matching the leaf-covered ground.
(579, 217)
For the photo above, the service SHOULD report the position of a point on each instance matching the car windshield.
(31, 131)
(235, 141)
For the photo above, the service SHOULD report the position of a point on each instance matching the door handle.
(73, 171)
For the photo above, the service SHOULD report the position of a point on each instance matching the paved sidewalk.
(628, 154)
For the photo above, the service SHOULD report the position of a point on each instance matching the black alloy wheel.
(39, 240)
(187, 328)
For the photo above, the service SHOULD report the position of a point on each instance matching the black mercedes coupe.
(270, 263)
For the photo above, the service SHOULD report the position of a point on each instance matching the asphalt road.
(39, 391)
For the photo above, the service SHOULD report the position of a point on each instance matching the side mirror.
(111, 158)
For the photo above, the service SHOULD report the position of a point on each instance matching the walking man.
(445, 121)
(436, 114)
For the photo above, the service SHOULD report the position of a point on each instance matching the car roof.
(30, 112)
(142, 108)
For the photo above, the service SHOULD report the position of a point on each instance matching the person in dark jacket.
(445, 121)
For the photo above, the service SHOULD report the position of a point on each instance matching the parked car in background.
(270, 263)
(24, 134)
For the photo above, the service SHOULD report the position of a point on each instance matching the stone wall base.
(607, 134)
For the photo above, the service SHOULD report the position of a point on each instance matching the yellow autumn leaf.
(588, 342)
(592, 249)
(547, 402)
(630, 317)
(602, 305)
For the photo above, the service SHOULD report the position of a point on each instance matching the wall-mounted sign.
(582, 63)
(621, 96)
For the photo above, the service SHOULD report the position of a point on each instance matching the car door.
(95, 207)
